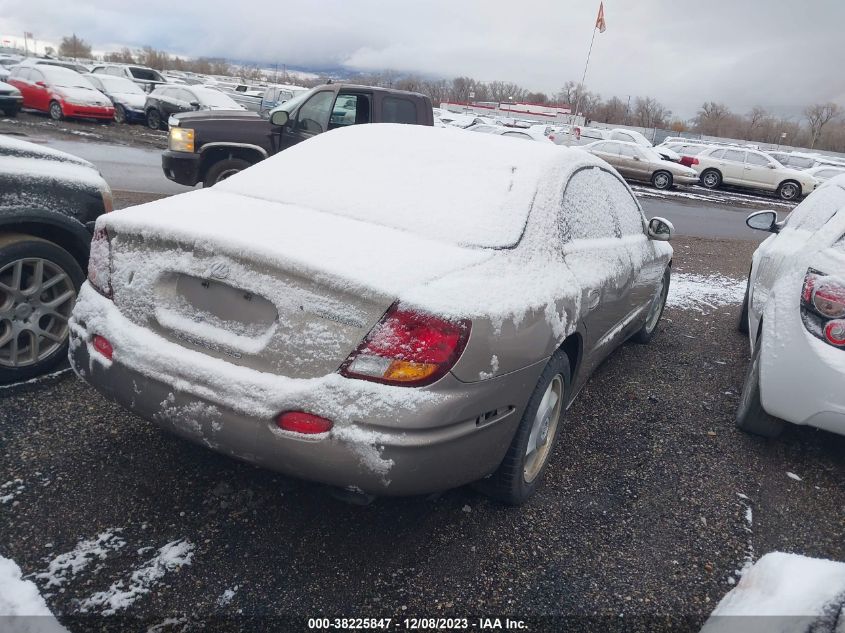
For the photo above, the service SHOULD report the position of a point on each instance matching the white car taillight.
(99, 263)
(823, 307)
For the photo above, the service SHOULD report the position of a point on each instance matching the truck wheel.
(522, 469)
(39, 282)
(223, 169)
(750, 415)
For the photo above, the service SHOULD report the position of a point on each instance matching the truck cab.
(210, 146)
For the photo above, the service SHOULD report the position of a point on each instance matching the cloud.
(776, 54)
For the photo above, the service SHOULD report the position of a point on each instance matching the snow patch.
(20, 601)
(69, 564)
(703, 293)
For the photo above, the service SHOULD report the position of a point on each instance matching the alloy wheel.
(542, 435)
(36, 299)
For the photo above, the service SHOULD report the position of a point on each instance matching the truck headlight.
(181, 139)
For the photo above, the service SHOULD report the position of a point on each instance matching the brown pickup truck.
(210, 146)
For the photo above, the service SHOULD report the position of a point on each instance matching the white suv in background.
(794, 313)
(742, 167)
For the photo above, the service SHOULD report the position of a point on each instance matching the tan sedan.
(635, 162)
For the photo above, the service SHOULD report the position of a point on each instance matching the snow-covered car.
(823, 173)
(49, 201)
(632, 136)
(127, 96)
(526, 134)
(165, 101)
(62, 92)
(420, 324)
(794, 313)
(751, 169)
(644, 164)
(687, 152)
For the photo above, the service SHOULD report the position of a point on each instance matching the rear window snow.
(443, 184)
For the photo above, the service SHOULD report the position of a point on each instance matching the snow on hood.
(83, 96)
(797, 594)
(65, 172)
(442, 184)
(132, 100)
(15, 147)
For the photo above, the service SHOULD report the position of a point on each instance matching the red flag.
(600, 23)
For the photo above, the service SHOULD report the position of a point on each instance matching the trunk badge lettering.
(219, 270)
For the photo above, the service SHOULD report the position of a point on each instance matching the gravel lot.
(639, 524)
(136, 134)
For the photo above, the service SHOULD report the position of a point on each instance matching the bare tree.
(124, 56)
(613, 110)
(818, 116)
(49, 51)
(461, 87)
(711, 118)
(504, 91)
(648, 112)
(74, 46)
(756, 118)
(537, 97)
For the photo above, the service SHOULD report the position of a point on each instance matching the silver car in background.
(635, 162)
(420, 324)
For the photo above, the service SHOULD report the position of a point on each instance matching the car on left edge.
(49, 201)
(61, 92)
(10, 99)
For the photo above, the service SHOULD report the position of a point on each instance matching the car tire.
(655, 311)
(711, 179)
(11, 113)
(519, 475)
(789, 190)
(153, 119)
(56, 111)
(119, 114)
(223, 169)
(25, 309)
(661, 180)
(742, 326)
(750, 415)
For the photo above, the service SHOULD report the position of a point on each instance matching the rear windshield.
(119, 85)
(215, 98)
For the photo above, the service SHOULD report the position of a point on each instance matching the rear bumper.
(386, 440)
(181, 167)
(685, 180)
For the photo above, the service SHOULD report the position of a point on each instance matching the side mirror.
(279, 117)
(195, 105)
(771, 166)
(660, 229)
(637, 158)
(764, 221)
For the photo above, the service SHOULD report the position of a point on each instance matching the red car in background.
(61, 92)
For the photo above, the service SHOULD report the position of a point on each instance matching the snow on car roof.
(443, 184)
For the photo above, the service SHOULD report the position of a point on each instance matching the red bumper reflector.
(102, 345)
(305, 423)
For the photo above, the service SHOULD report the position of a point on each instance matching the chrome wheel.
(661, 180)
(542, 435)
(656, 305)
(788, 191)
(56, 111)
(710, 180)
(36, 299)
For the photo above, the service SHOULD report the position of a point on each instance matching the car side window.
(625, 207)
(36, 75)
(734, 155)
(99, 70)
(313, 116)
(398, 110)
(718, 154)
(585, 210)
(757, 159)
(628, 151)
(350, 109)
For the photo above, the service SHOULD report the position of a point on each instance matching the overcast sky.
(779, 54)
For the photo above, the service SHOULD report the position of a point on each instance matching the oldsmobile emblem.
(219, 270)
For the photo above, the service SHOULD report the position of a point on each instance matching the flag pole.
(584, 76)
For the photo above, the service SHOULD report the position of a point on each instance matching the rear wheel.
(521, 471)
(39, 282)
(789, 190)
(655, 311)
(711, 179)
(56, 111)
(750, 415)
(153, 119)
(661, 180)
(223, 169)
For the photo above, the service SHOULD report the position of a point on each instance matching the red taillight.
(834, 332)
(102, 345)
(809, 285)
(408, 348)
(829, 299)
(694, 161)
(305, 423)
(99, 263)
